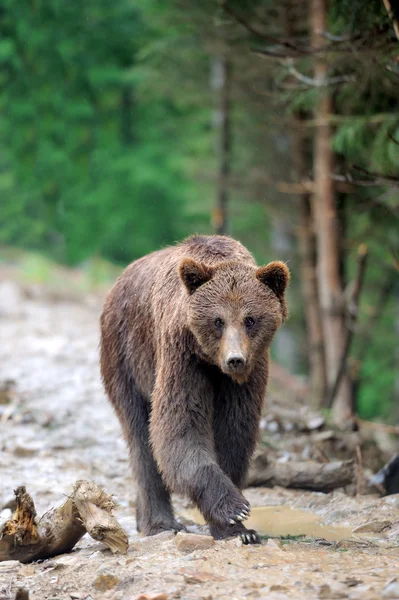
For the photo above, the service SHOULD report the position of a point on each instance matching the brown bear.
(185, 337)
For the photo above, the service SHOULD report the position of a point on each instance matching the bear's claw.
(247, 536)
(250, 537)
(242, 516)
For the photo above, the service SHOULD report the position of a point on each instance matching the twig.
(350, 331)
(359, 470)
(390, 429)
(377, 178)
(270, 39)
(392, 15)
(311, 82)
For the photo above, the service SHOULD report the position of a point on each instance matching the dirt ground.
(57, 427)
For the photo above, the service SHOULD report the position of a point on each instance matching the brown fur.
(185, 336)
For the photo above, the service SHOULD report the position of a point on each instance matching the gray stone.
(188, 542)
(391, 590)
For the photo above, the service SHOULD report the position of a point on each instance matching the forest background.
(126, 126)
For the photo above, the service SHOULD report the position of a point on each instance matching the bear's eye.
(218, 323)
(249, 322)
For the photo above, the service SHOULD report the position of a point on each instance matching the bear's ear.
(276, 276)
(194, 274)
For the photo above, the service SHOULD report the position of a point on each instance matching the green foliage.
(81, 174)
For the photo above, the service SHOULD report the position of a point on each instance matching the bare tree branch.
(311, 82)
(270, 39)
(392, 15)
(376, 179)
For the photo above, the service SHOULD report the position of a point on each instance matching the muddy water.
(279, 521)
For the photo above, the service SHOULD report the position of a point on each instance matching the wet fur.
(190, 427)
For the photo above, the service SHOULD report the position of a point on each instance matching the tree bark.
(307, 253)
(221, 84)
(327, 234)
(350, 329)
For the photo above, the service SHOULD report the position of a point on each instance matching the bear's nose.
(235, 362)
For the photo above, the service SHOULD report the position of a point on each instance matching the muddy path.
(56, 427)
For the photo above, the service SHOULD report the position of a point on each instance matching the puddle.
(284, 520)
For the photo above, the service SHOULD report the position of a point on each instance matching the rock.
(188, 542)
(278, 588)
(9, 565)
(106, 580)
(26, 571)
(372, 527)
(315, 423)
(391, 590)
(161, 596)
(11, 299)
(202, 577)
(352, 582)
(392, 500)
(7, 390)
(329, 593)
(152, 541)
(274, 544)
(394, 531)
(23, 450)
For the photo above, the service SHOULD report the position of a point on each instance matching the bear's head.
(234, 310)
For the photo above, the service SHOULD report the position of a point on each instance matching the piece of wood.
(307, 475)
(390, 429)
(88, 509)
(95, 509)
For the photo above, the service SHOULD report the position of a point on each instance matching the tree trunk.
(220, 82)
(307, 254)
(326, 222)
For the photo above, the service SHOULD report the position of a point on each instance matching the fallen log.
(307, 475)
(89, 509)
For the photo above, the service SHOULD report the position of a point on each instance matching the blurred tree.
(326, 221)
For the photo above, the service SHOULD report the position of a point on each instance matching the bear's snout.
(235, 362)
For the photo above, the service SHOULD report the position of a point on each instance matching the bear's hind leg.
(154, 512)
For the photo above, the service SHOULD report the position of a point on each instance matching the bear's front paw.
(231, 510)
